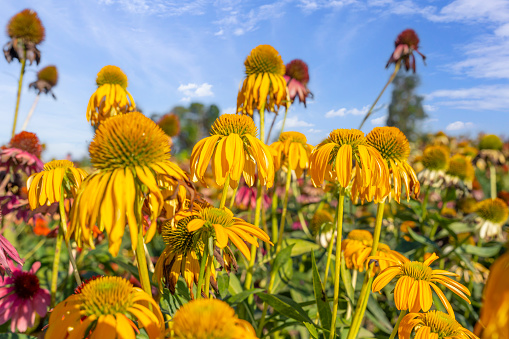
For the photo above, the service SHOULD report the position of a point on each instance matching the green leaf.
(223, 282)
(379, 315)
(282, 257)
(454, 229)
(347, 280)
(235, 285)
(285, 306)
(283, 277)
(301, 246)
(239, 297)
(312, 329)
(485, 252)
(421, 239)
(14, 336)
(322, 302)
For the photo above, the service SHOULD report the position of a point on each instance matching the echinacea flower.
(106, 307)
(297, 78)
(130, 152)
(492, 215)
(22, 154)
(8, 254)
(394, 148)
(47, 78)
(26, 31)
(460, 174)
(292, 151)
(435, 160)
(246, 197)
(223, 227)
(170, 124)
(346, 157)
(111, 97)
(432, 325)
(179, 257)
(490, 147)
(494, 319)
(234, 151)
(414, 283)
(21, 298)
(467, 205)
(406, 43)
(57, 177)
(209, 318)
(357, 248)
(264, 86)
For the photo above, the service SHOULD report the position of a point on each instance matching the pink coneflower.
(21, 297)
(246, 198)
(406, 43)
(22, 154)
(297, 78)
(8, 254)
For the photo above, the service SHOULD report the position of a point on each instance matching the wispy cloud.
(459, 125)
(380, 121)
(346, 111)
(294, 122)
(494, 98)
(159, 7)
(192, 90)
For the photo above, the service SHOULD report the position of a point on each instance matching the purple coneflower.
(21, 297)
(22, 154)
(406, 43)
(297, 78)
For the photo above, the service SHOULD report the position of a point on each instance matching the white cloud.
(430, 108)
(459, 125)
(219, 33)
(313, 5)
(380, 121)
(344, 111)
(293, 122)
(159, 7)
(312, 130)
(192, 90)
(494, 98)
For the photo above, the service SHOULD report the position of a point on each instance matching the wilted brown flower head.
(406, 43)
(297, 78)
(47, 78)
(170, 124)
(28, 142)
(26, 31)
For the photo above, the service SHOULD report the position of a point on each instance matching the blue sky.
(176, 51)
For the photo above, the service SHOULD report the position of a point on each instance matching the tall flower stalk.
(336, 159)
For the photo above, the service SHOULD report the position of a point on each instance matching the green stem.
(201, 277)
(283, 214)
(258, 209)
(274, 216)
(395, 330)
(33, 250)
(284, 121)
(362, 303)
(209, 273)
(493, 181)
(140, 250)
(396, 69)
(329, 254)
(339, 230)
(63, 223)
(225, 191)
(56, 264)
(232, 200)
(20, 84)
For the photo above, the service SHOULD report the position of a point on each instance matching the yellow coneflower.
(130, 152)
(440, 138)
(435, 160)
(394, 148)
(293, 151)
(105, 308)
(264, 86)
(44, 188)
(47, 78)
(345, 156)
(461, 168)
(224, 227)
(209, 318)
(491, 141)
(432, 325)
(111, 97)
(414, 284)
(467, 205)
(494, 319)
(234, 151)
(493, 214)
(180, 257)
(357, 248)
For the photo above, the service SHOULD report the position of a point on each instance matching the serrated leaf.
(322, 302)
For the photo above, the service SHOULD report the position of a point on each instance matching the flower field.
(251, 232)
